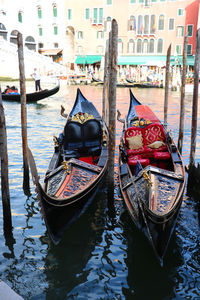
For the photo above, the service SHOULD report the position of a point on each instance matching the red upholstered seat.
(161, 155)
(154, 133)
(134, 133)
(132, 160)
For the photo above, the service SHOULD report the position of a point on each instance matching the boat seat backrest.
(92, 133)
(153, 133)
(83, 136)
(133, 137)
(73, 136)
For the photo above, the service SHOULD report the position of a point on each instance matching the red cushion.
(131, 132)
(152, 133)
(132, 161)
(161, 155)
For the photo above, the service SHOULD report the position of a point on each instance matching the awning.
(50, 51)
(87, 59)
(152, 60)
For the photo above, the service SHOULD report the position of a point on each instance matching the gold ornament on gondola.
(82, 118)
(146, 177)
(65, 166)
(55, 141)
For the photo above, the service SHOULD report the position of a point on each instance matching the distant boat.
(32, 97)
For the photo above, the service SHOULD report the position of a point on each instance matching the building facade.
(146, 28)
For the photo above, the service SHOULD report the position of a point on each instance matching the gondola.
(151, 175)
(76, 169)
(32, 97)
(131, 83)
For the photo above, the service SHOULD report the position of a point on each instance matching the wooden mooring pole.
(195, 100)
(167, 86)
(7, 219)
(182, 104)
(26, 181)
(112, 83)
(193, 171)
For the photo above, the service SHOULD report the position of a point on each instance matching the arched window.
(132, 23)
(20, 16)
(151, 46)
(140, 25)
(160, 46)
(39, 11)
(131, 46)
(3, 31)
(120, 46)
(30, 43)
(54, 10)
(153, 24)
(108, 23)
(146, 24)
(161, 22)
(139, 46)
(145, 46)
(13, 36)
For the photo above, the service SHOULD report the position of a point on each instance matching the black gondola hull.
(32, 97)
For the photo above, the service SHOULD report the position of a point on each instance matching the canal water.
(102, 255)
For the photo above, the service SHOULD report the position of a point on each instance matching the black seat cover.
(92, 133)
(73, 136)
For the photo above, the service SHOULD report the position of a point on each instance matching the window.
(162, 0)
(109, 2)
(100, 15)
(80, 34)
(153, 0)
(87, 13)
(141, 1)
(108, 24)
(132, 1)
(95, 15)
(20, 17)
(40, 31)
(100, 34)
(161, 22)
(178, 49)
(132, 23)
(171, 24)
(139, 46)
(80, 50)
(97, 20)
(99, 49)
(55, 30)
(180, 12)
(153, 24)
(151, 46)
(120, 46)
(145, 48)
(190, 30)
(54, 11)
(40, 45)
(55, 45)
(160, 46)
(179, 31)
(69, 14)
(146, 3)
(39, 10)
(140, 25)
(189, 49)
(146, 24)
(131, 46)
